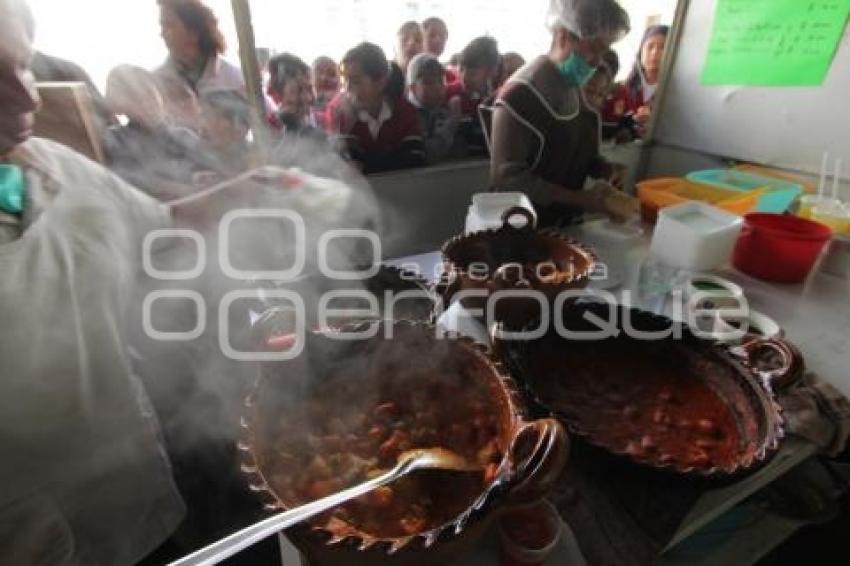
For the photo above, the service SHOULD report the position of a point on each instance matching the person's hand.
(643, 115)
(619, 206)
(455, 107)
(618, 175)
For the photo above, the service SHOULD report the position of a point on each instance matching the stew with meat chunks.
(643, 399)
(353, 426)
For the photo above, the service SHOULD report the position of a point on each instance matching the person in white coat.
(84, 479)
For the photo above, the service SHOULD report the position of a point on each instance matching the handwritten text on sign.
(774, 42)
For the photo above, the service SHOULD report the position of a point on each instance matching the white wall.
(100, 34)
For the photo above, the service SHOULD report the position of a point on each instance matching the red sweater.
(398, 144)
(622, 102)
(468, 104)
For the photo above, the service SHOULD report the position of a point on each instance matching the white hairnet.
(589, 18)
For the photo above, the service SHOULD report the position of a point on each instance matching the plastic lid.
(701, 217)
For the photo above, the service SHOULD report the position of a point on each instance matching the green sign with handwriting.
(774, 42)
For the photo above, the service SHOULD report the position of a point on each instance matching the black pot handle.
(538, 455)
(787, 374)
(530, 223)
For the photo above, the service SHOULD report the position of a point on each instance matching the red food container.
(779, 248)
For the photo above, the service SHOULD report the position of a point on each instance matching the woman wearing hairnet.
(540, 144)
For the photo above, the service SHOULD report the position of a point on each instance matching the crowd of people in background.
(193, 115)
(95, 479)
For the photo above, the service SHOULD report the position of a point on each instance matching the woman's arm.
(513, 143)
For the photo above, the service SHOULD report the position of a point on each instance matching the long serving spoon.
(418, 459)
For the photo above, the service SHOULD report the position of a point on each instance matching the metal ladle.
(418, 459)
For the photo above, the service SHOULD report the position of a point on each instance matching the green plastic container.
(778, 195)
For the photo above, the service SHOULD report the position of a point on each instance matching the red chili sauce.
(646, 400)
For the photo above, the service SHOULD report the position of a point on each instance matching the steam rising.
(328, 195)
(197, 391)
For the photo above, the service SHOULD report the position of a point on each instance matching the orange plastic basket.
(655, 194)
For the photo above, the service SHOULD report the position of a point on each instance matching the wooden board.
(67, 116)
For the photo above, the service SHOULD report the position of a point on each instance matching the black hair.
(230, 104)
(434, 21)
(199, 18)
(374, 64)
(371, 59)
(481, 52)
(612, 62)
(283, 68)
(652, 31)
(431, 67)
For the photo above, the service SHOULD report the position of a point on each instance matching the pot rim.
(775, 423)
(502, 484)
(452, 243)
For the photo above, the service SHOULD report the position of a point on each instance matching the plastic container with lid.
(834, 214)
(778, 194)
(618, 249)
(655, 194)
(779, 248)
(719, 292)
(808, 202)
(487, 209)
(695, 236)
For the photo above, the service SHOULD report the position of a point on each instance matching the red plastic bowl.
(779, 248)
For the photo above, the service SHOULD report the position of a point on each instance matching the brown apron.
(567, 148)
